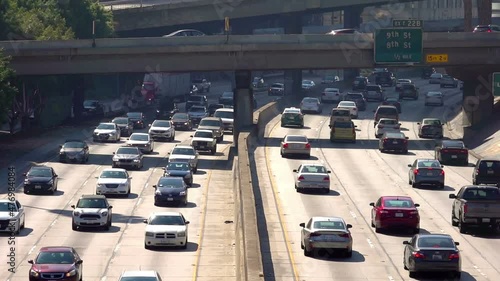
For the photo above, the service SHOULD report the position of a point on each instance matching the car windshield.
(210, 123)
(429, 164)
(203, 135)
(432, 122)
(346, 103)
(138, 278)
(166, 220)
(37, 172)
(170, 183)
(180, 116)
(127, 150)
(453, 144)
(195, 98)
(139, 137)
(276, 86)
(398, 203)
(120, 120)
(435, 242)
(197, 109)
(481, 194)
(296, 139)
(157, 123)
(105, 127)
(329, 225)
(224, 114)
(392, 100)
(227, 95)
(290, 114)
(91, 203)
(343, 125)
(55, 258)
(183, 151)
(313, 169)
(90, 103)
(113, 175)
(135, 115)
(178, 166)
(74, 144)
(310, 100)
(8, 207)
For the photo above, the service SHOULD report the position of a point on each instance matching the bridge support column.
(78, 92)
(352, 19)
(243, 102)
(477, 104)
(293, 78)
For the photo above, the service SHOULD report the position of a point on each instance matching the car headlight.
(34, 273)
(157, 111)
(101, 185)
(123, 185)
(182, 193)
(150, 234)
(185, 123)
(136, 160)
(112, 133)
(50, 182)
(27, 181)
(157, 192)
(71, 273)
(105, 213)
(181, 234)
(61, 152)
(76, 214)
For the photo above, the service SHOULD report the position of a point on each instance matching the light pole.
(93, 34)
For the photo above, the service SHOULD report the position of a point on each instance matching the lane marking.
(117, 247)
(85, 182)
(54, 222)
(138, 202)
(479, 271)
(353, 214)
(104, 278)
(31, 250)
(370, 243)
(390, 278)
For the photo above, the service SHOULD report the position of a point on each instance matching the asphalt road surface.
(360, 175)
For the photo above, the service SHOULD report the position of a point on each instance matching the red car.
(56, 263)
(395, 212)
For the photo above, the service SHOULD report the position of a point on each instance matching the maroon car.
(56, 263)
(395, 212)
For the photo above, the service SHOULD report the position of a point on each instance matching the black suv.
(125, 124)
(360, 83)
(385, 79)
(166, 109)
(486, 171)
(408, 91)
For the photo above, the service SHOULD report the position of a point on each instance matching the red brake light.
(315, 234)
(308, 145)
(301, 178)
(386, 140)
(442, 172)
(285, 145)
(444, 151)
(465, 208)
(415, 172)
(418, 255)
(454, 256)
(405, 141)
(489, 30)
(464, 151)
(345, 235)
(326, 178)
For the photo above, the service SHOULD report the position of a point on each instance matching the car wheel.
(195, 170)
(128, 191)
(416, 230)
(326, 191)
(409, 181)
(108, 225)
(414, 184)
(413, 274)
(113, 166)
(147, 247)
(441, 186)
(454, 221)
(404, 151)
(462, 227)
(378, 229)
(184, 247)
(213, 151)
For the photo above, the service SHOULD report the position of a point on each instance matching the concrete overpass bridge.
(472, 58)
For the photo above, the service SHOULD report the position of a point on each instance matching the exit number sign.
(408, 23)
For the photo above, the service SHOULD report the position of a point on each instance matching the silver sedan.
(312, 176)
(432, 98)
(426, 171)
(326, 233)
(295, 145)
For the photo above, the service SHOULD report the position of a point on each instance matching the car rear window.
(398, 203)
(387, 111)
(490, 165)
(481, 194)
(435, 242)
(296, 139)
(429, 164)
(341, 113)
(329, 225)
(344, 125)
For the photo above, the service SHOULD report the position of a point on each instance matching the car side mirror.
(110, 207)
(128, 139)
(295, 171)
(113, 153)
(349, 226)
(407, 138)
(73, 206)
(56, 175)
(417, 205)
(329, 172)
(372, 204)
(79, 261)
(457, 243)
(409, 165)
(399, 124)
(154, 186)
(442, 166)
(145, 221)
(30, 261)
(186, 222)
(452, 196)
(149, 125)
(164, 168)
(406, 243)
(418, 123)
(60, 146)
(191, 136)
(302, 225)
(168, 152)
(355, 126)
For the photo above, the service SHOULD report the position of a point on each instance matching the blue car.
(171, 190)
(426, 171)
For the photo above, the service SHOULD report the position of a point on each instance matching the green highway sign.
(398, 45)
(496, 84)
(408, 23)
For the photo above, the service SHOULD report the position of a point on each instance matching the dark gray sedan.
(128, 157)
(179, 169)
(432, 253)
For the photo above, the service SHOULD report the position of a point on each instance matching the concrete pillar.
(243, 101)
(293, 78)
(78, 81)
(352, 19)
(477, 103)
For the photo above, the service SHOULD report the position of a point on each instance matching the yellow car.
(343, 131)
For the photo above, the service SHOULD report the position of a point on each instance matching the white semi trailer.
(175, 85)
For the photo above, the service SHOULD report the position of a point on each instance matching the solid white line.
(390, 278)
(54, 222)
(138, 201)
(442, 231)
(85, 182)
(116, 248)
(370, 243)
(104, 278)
(31, 250)
(146, 185)
(353, 214)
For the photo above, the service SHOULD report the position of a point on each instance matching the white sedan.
(12, 216)
(166, 229)
(331, 95)
(309, 104)
(114, 181)
(142, 141)
(434, 98)
(313, 177)
(387, 125)
(351, 106)
(435, 78)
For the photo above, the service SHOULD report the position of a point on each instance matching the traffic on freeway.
(360, 203)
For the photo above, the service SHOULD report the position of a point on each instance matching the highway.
(107, 253)
(360, 175)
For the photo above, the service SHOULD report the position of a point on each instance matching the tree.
(7, 90)
(80, 14)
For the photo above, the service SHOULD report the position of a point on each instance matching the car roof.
(426, 159)
(113, 170)
(434, 235)
(106, 123)
(41, 168)
(431, 119)
(140, 273)
(183, 146)
(392, 119)
(140, 134)
(396, 198)
(339, 219)
(278, 84)
(56, 249)
(225, 109)
(332, 89)
(166, 214)
(302, 136)
(91, 196)
(434, 92)
(203, 131)
(211, 118)
(386, 106)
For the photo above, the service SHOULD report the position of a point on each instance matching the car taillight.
(285, 145)
(442, 172)
(418, 255)
(414, 212)
(489, 30)
(466, 208)
(464, 151)
(326, 178)
(405, 141)
(315, 234)
(454, 256)
(444, 151)
(386, 140)
(301, 178)
(345, 235)
(308, 145)
(383, 212)
(415, 172)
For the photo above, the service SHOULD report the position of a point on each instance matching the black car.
(408, 91)
(358, 98)
(200, 100)
(449, 151)
(74, 151)
(427, 72)
(432, 253)
(179, 169)
(93, 108)
(227, 99)
(166, 109)
(385, 78)
(213, 107)
(393, 141)
(138, 119)
(40, 179)
(170, 190)
(125, 124)
(182, 121)
(486, 171)
(360, 83)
